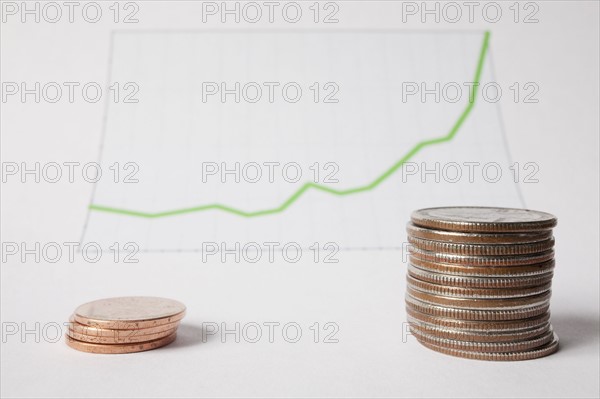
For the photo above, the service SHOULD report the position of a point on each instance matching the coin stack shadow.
(478, 289)
(124, 325)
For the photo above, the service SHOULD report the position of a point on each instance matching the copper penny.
(105, 332)
(121, 337)
(119, 348)
(129, 313)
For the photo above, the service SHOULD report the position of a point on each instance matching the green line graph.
(310, 185)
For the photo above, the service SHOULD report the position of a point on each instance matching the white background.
(363, 293)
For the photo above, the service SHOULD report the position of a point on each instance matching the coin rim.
(476, 314)
(110, 332)
(129, 325)
(481, 304)
(137, 338)
(480, 336)
(480, 325)
(464, 237)
(455, 269)
(451, 248)
(451, 280)
(114, 349)
(478, 261)
(426, 221)
(486, 347)
(536, 353)
(475, 293)
(84, 317)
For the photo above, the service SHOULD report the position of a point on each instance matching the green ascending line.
(307, 186)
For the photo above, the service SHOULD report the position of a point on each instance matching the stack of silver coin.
(479, 282)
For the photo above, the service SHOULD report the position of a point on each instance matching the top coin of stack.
(124, 324)
(479, 282)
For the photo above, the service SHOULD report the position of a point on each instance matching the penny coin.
(477, 238)
(466, 260)
(481, 249)
(535, 353)
(483, 271)
(476, 314)
(128, 313)
(119, 348)
(488, 326)
(476, 293)
(483, 219)
(494, 347)
(104, 332)
(479, 282)
(122, 337)
(485, 304)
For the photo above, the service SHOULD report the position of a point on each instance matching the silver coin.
(535, 353)
(494, 347)
(481, 249)
(478, 336)
(483, 304)
(477, 238)
(476, 314)
(483, 219)
(479, 282)
(475, 293)
(480, 326)
(472, 260)
(483, 271)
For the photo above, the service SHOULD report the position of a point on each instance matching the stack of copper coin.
(124, 324)
(479, 282)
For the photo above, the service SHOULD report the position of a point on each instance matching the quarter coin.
(476, 314)
(476, 293)
(479, 282)
(477, 238)
(535, 353)
(483, 271)
(472, 336)
(481, 249)
(494, 347)
(484, 304)
(483, 219)
(472, 260)
(480, 325)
